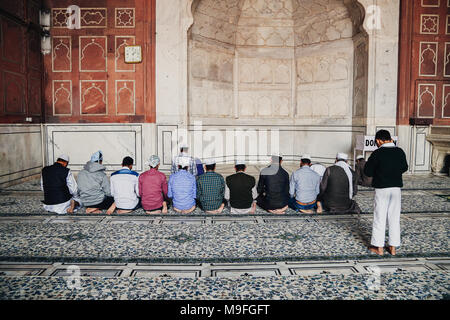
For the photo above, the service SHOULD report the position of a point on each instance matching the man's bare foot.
(377, 250)
(72, 206)
(111, 209)
(391, 250)
(164, 209)
(253, 210)
(319, 207)
(93, 210)
(153, 212)
(219, 210)
(123, 211)
(306, 211)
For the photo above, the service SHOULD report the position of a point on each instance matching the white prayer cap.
(98, 156)
(240, 162)
(209, 162)
(342, 156)
(184, 146)
(306, 156)
(184, 161)
(64, 157)
(360, 157)
(153, 161)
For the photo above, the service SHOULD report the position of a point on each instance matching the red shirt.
(152, 189)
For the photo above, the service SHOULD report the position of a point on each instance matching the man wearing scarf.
(338, 187)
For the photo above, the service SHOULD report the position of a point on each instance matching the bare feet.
(72, 206)
(164, 209)
(219, 210)
(391, 250)
(306, 211)
(153, 212)
(319, 207)
(377, 250)
(93, 210)
(111, 209)
(279, 211)
(123, 211)
(253, 210)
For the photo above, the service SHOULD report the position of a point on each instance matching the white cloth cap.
(209, 162)
(360, 157)
(184, 161)
(64, 157)
(342, 156)
(98, 156)
(240, 162)
(153, 161)
(306, 156)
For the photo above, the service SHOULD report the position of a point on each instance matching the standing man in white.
(386, 165)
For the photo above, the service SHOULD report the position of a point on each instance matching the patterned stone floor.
(29, 234)
(431, 285)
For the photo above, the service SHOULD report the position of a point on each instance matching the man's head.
(184, 148)
(210, 165)
(277, 159)
(360, 158)
(382, 137)
(240, 166)
(341, 157)
(183, 163)
(97, 157)
(63, 160)
(127, 162)
(305, 161)
(154, 161)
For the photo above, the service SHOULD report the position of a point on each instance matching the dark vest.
(241, 185)
(336, 195)
(55, 184)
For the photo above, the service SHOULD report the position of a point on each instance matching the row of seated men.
(312, 188)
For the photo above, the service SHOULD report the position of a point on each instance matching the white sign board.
(367, 143)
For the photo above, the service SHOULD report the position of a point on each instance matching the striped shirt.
(210, 190)
(182, 190)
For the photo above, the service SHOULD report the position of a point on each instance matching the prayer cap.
(240, 162)
(306, 156)
(153, 161)
(64, 157)
(360, 157)
(209, 162)
(342, 156)
(98, 156)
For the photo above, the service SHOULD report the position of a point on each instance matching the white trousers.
(388, 203)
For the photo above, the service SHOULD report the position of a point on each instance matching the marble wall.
(20, 152)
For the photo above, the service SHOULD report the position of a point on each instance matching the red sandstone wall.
(20, 61)
(86, 79)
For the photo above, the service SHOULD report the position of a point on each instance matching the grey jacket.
(93, 184)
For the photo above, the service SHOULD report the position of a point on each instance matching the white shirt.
(61, 208)
(125, 188)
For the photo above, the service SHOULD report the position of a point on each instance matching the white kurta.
(61, 208)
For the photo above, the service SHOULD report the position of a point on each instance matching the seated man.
(60, 188)
(338, 187)
(94, 188)
(240, 190)
(319, 169)
(184, 154)
(153, 188)
(273, 187)
(125, 187)
(182, 187)
(361, 178)
(304, 188)
(211, 189)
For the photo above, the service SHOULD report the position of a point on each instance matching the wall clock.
(133, 54)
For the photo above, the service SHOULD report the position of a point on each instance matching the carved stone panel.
(93, 97)
(93, 52)
(62, 97)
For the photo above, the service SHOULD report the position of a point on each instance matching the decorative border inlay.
(69, 53)
(421, 59)
(93, 86)
(424, 18)
(133, 94)
(93, 42)
(117, 54)
(120, 12)
(419, 98)
(431, 5)
(445, 99)
(54, 98)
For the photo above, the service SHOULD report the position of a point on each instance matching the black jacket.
(241, 185)
(55, 184)
(273, 187)
(386, 165)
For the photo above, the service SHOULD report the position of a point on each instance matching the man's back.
(386, 165)
(305, 184)
(274, 182)
(240, 185)
(210, 190)
(362, 178)
(183, 190)
(55, 185)
(152, 189)
(93, 184)
(124, 188)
